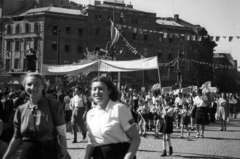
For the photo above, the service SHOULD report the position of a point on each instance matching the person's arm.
(135, 140)
(12, 148)
(89, 151)
(85, 106)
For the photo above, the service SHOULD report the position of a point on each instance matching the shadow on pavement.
(220, 138)
(199, 156)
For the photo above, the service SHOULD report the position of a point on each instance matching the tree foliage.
(84, 79)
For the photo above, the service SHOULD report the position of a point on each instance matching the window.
(27, 28)
(145, 52)
(170, 56)
(66, 61)
(160, 39)
(9, 46)
(98, 17)
(80, 31)
(97, 32)
(170, 40)
(136, 21)
(133, 20)
(16, 64)
(17, 46)
(27, 45)
(24, 64)
(55, 29)
(54, 45)
(97, 48)
(36, 44)
(134, 36)
(9, 29)
(36, 28)
(67, 29)
(79, 48)
(159, 55)
(122, 19)
(18, 29)
(7, 64)
(145, 37)
(67, 46)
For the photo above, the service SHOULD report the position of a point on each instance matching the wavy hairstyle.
(114, 95)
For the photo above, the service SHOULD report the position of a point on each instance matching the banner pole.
(159, 79)
(98, 68)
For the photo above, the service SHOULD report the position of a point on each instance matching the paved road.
(216, 144)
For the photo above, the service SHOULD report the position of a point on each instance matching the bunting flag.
(199, 38)
(237, 37)
(217, 38)
(114, 34)
(224, 37)
(230, 38)
(205, 36)
(165, 35)
(187, 37)
(211, 38)
(193, 37)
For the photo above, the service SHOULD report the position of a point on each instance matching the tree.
(84, 79)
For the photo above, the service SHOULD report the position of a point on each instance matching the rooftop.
(168, 23)
(52, 10)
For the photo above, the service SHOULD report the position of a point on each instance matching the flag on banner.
(224, 37)
(114, 34)
(187, 37)
(165, 35)
(230, 38)
(199, 38)
(177, 35)
(211, 38)
(170, 35)
(129, 27)
(160, 32)
(124, 26)
(237, 37)
(193, 37)
(150, 31)
(154, 31)
(140, 31)
(205, 36)
(217, 38)
(206, 86)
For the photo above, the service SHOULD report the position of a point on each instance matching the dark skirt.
(202, 115)
(68, 115)
(39, 150)
(184, 120)
(193, 115)
(111, 151)
(167, 126)
(156, 116)
(150, 116)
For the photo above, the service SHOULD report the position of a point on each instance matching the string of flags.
(213, 65)
(188, 37)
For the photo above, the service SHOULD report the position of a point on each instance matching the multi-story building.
(90, 29)
(225, 72)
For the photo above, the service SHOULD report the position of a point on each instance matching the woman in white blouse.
(112, 131)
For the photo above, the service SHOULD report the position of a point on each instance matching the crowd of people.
(111, 120)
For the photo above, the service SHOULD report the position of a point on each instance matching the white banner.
(102, 66)
(166, 90)
(128, 66)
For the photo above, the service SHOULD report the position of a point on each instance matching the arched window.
(18, 29)
(27, 28)
(9, 29)
(36, 28)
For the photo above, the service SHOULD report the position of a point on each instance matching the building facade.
(61, 36)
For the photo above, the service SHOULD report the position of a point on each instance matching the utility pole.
(179, 75)
(58, 45)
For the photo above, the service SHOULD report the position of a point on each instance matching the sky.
(218, 17)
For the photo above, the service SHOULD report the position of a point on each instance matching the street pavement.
(216, 144)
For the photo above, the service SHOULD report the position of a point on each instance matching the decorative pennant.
(205, 36)
(217, 38)
(135, 30)
(140, 31)
(124, 26)
(211, 38)
(160, 32)
(193, 37)
(176, 35)
(230, 38)
(237, 37)
(187, 37)
(129, 27)
(224, 37)
(199, 38)
(170, 35)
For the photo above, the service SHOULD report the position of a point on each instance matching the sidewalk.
(215, 145)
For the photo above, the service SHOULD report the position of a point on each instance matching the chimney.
(176, 17)
(97, 3)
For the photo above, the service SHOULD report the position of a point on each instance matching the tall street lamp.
(179, 74)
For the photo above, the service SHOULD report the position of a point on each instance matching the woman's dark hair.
(114, 96)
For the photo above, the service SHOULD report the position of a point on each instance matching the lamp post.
(179, 74)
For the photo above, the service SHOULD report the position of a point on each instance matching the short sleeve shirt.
(200, 102)
(108, 126)
(38, 125)
(77, 101)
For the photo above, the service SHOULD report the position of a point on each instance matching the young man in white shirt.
(79, 105)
